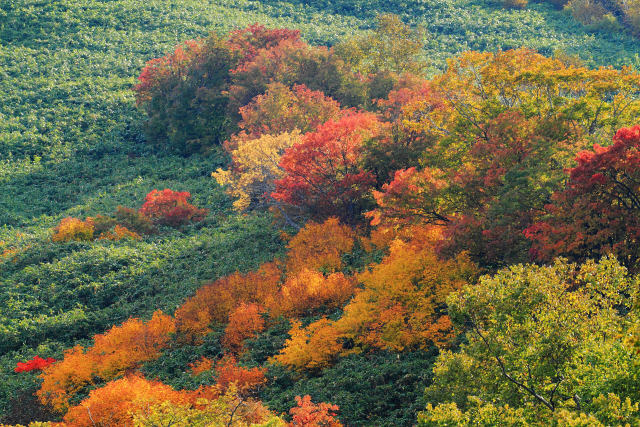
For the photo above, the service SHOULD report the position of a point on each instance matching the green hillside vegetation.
(72, 144)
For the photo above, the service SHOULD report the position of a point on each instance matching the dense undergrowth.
(72, 144)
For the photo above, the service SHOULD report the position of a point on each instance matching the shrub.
(116, 403)
(244, 322)
(35, 364)
(293, 62)
(185, 93)
(308, 291)
(323, 174)
(402, 303)
(255, 168)
(244, 380)
(309, 414)
(102, 224)
(119, 232)
(73, 229)
(226, 410)
(282, 109)
(182, 95)
(134, 220)
(313, 348)
(202, 365)
(168, 207)
(319, 246)
(113, 353)
(214, 302)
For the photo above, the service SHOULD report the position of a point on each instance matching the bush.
(35, 364)
(244, 322)
(515, 4)
(134, 220)
(587, 12)
(182, 94)
(119, 232)
(168, 207)
(113, 353)
(214, 302)
(117, 402)
(319, 246)
(71, 229)
(102, 224)
(246, 381)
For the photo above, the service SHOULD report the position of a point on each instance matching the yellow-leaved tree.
(255, 168)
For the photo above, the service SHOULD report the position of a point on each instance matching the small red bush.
(35, 364)
(171, 208)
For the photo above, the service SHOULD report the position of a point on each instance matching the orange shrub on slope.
(244, 322)
(171, 208)
(214, 302)
(117, 351)
(319, 246)
(116, 403)
(244, 380)
(307, 291)
(402, 304)
(309, 414)
(314, 347)
(119, 232)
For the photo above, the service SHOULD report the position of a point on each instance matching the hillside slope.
(71, 144)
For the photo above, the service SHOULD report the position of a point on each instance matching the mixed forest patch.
(318, 213)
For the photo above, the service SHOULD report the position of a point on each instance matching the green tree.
(392, 47)
(541, 344)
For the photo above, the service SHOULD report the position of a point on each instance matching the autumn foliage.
(313, 347)
(168, 207)
(244, 322)
(245, 381)
(402, 190)
(282, 109)
(403, 303)
(294, 62)
(310, 414)
(323, 175)
(118, 401)
(319, 246)
(73, 229)
(188, 114)
(597, 212)
(113, 353)
(35, 364)
(213, 303)
(255, 168)
(119, 232)
(201, 366)
(126, 223)
(309, 291)
(401, 306)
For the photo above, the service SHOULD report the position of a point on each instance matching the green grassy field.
(71, 144)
